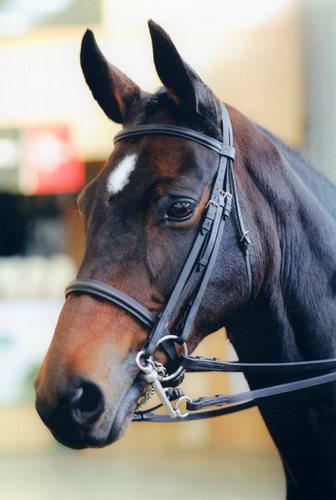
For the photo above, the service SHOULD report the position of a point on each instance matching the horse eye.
(181, 210)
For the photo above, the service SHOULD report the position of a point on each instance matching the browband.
(209, 142)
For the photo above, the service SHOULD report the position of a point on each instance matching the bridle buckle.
(213, 203)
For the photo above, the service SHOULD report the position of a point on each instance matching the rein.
(189, 290)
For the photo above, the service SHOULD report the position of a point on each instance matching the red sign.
(49, 163)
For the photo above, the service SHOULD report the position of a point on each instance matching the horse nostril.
(87, 403)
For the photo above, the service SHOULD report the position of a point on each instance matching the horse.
(141, 215)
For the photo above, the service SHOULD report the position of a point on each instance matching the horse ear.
(113, 90)
(181, 81)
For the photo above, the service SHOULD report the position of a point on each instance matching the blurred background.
(273, 60)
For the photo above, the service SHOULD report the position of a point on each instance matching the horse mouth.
(125, 411)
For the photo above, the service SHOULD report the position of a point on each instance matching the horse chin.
(125, 412)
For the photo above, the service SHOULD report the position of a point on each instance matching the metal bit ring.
(144, 368)
(185, 352)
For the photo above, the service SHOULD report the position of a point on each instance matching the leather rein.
(187, 296)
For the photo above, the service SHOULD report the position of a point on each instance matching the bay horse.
(141, 216)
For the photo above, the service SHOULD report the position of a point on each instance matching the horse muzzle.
(80, 417)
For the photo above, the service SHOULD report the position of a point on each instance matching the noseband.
(183, 304)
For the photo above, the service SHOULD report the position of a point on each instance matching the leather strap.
(194, 364)
(265, 392)
(234, 403)
(111, 294)
(237, 402)
(153, 417)
(199, 264)
(245, 239)
(225, 149)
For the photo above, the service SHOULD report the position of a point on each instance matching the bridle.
(181, 308)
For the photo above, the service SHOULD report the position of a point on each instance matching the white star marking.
(119, 178)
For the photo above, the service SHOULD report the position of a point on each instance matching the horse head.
(140, 215)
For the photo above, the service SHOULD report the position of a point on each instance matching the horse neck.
(297, 249)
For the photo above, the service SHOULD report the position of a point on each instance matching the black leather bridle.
(180, 311)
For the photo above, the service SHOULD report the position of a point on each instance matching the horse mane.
(316, 182)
